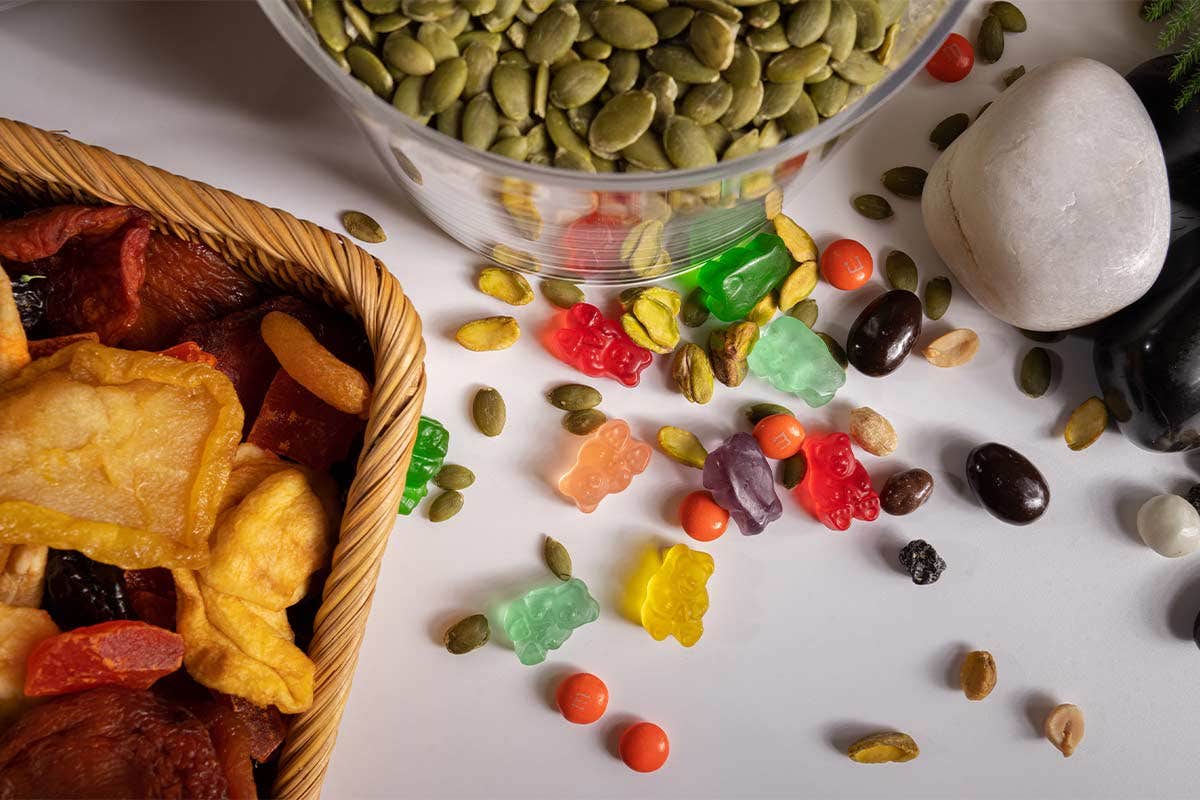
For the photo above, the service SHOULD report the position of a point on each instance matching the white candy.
(1052, 209)
(1170, 525)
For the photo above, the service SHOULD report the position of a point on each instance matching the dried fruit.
(905, 181)
(901, 271)
(467, 634)
(584, 421)
(905, 492)
(793, 470)
(312, 366)
(937, 297)
(872, 432)
(1036, 372)
(1064, 728)
(574, 397)
(797, 286)
(682, 446)
(952, 349)
(562, 294)
(454, 476)
(505, 285)
(80, 591)
(557, 558)
(872, 206)
(1086, 423)
(880, 748)
(489, 412)
(489, 333)
(445, 506)
(693, 374)
(922, 562)
(978, 674)
(122, 652)
(363, 227)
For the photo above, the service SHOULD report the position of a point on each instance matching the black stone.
(885, 333)
(1008, 485)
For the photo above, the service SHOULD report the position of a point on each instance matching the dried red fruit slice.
(123, 652)
(265, 726)
(43, 233)
(151, 595)
(40, 348)
(231, 741)
(191, 353)
(295, 423)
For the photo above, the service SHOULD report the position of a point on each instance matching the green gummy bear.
(429, 451)
(737, 279)
(797, 361)
(542, 619)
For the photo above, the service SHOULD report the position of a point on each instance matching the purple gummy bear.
(741, 482)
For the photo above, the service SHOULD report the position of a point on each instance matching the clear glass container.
(575, 223)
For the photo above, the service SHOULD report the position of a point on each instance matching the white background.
(813, 638)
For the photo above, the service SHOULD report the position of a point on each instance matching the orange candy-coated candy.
(644, 747)
(702, 518)
(123, 652)
(582, 698)
(846, 264)
(779, 435)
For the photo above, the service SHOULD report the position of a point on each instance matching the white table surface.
(813, 638)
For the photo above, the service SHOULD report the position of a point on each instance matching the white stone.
(1170, 525)
(1052, 209)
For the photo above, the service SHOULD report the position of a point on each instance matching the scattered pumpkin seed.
(505, 285)
(467, 634)
(454, 477)
(835, 349)
(406, 54)
(363, 227)
(1086, 423)
(901, 271)
(693, 374)
(367, 67)
(905, 181)
(682, 446)
(557, 558)
(990, 44)
(1011, 18)
(574, 397)
(952, 349)
(793, 470)
(694, 313)
(489, 412)
(797, 240)
(560, 293)
(489, 333)
(1013, 75)
(937, 297)
(879, 748)
(872, 206)
(872, 432)
(584, 421)
(759, 411)
(806, 311)
(445, 506)
(949, 129)
(1036, 372)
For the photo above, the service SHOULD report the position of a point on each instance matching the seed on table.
(905, 492)
(1010, 16)
(454, 476)
(363, 227)
(557, 558)
(445, 506)
(922, 562)
(467, 634)
(759, 411)
(835, 349)
(1086, 423)
(574, 397)
(952, 349)
(489, 333)
(905, 181)
(1036, 372)
(694, 312)
(977, 676)
(584, 421)
(948, 130)
(872, 432)
(881, 748)
(489, 412)
(937, 297)
(793, 470)
(560, 293)
(990, 44)
(1013, 75)
(1064, 728)
(806, 311)
(872, 206)
(901, 271)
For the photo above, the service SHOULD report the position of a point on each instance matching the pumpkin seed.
(673, 20)
(841, 31)
(805, 311)
(647, 153)
(681, 64)
(361, 21)
(438, 41)
(467, 634)
(706, 103)
(686, 144)
(487, 38)
(621, 121)
(768, 40)
(595, 48)
(829, 96)
(514, 57)
(948, 130)
(718, 136)
(892, 10)
(501, 15)
(381, 6)
(552, 34)
(835, 349)
(990, 44)
(901, 271)
(480, 122)
(1086, 423)
(1045, 337)
(742, 146)
(389, 23)
(823, 74)
(454, 476)
(538, 141)
(407, 98)
(798, 285)
(682, 446)
(798, 63)
(444, 85)
(557, 558)
(330, 24)
(481, 60)
(445, 506)
(724, 10)
(514, 147)
(489, 412)
(952, 349)
(576, 84)
(541, 90)
(745, 69)
(449, 121)
(584, 421)
(1036, 372)
(363, 227)
(560, 132)
(872, 206)
(793, 470)
(937, 297)
(808, 21)
(802, 116)
(623, 67)
(779, 98)
(905, 181)
(574, 397)
(797, 240)
(427, 10)
(859, 69)
(693, 374)
(712, 39)
(505, 285)
(870, 27)
(1013, 75)
(694, 313)
(886, 50)
(512, 88)
(757, 412)
(489, 333)
(762, 15)
(624, 27)
(407, 54)
(1011, 18)
(478, 8)
(744, 104)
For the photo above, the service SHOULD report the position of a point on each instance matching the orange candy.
(846, 264)
(779, 435)
(644, 747)
(582, 698)
(702, 518)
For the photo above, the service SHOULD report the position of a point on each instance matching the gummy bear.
(836, 487)
(738, 278)
(676, 596)
(597, 346)
(542, 619)
(741, 482)
(429, 451)
(593, 242)
(607, 462)
(795, 360)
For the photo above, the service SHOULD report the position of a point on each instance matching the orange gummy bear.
(607, 463)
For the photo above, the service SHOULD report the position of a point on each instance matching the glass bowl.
(583, 226)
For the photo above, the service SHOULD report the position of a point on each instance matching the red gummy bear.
(597, 346)
(836, 487)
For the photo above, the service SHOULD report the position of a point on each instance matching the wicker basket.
(38, 167)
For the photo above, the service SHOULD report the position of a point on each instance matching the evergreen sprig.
(1181, 23)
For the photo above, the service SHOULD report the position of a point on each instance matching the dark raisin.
(922, 562)
(30, 293)
(80, 591)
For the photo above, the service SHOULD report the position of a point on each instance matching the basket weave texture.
(39, 168)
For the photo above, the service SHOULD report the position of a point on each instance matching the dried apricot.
(313, 367)
(123, 652)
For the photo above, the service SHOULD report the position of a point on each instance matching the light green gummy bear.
(795, 360)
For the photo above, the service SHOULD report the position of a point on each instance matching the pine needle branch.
(1181, 23)
(1154, 10)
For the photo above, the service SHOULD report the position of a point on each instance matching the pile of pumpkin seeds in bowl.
(610, 86)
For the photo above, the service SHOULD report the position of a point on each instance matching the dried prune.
(29, 291)
(151, 594)
(922, 562)
(80, 591)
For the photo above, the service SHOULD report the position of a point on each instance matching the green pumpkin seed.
(444, 85)
(769, 40)
(367, 67)
(569, 159)
(686, 144)
(835, 349)
(718, 136)
(798, 63)
(438, 41)
(807, 22)
(330, 24)
(1045, 337)
(793, 470)
(937, 297)
(407, 54)
(745, 69)
(467, 634)
(514, 57)
(456, 23)
(706, 103)
(623, 67)
(512, 88)
(744, 145)
(1036, 372)
(948, 130)
(779, 98)
(647, 153)
(823, 74)
(557, 559)
(408, 97)
(1011, 18)
(624, 27)
(829, 97)
(1013, 75)
(712, 40)
(553, 33)
(363, 227)
(886, 50)
(454, 477)
(561, 133)
(489, 412)
(842, 30)
(682, 446)
(990, 44)
(478, 8)
(724, 10)
(892, 10)
(673, 20)
(681, 64)
(576, 84)
(389, 23)
(759, 411)
(449, 122)
(693, 374)
(481, 60)
(743, 106)
(762, 15)
(480, 122)
(574, 397)
(872, 206)
(514, 147)
(538, 141)
(361, 21)
(541, 90)
(584, 421)
(517, 34)
(665, 90)
(905, 181)
(802, 116)
(595, 49)
(427, 10)
(487, 38)
(870, 27)
(806, 311)
(445, 506)
(621, 121)
(694, 312)
(501, 15)
(901, 271)
(562, 294)
(538, 6)
(381, 6)
(859, 69)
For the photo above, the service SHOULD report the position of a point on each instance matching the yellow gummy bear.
(677, 596)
